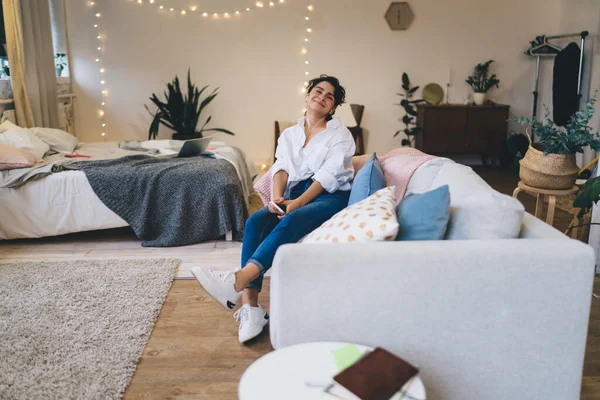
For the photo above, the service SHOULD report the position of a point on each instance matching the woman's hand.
(291, 205)
(273, 210)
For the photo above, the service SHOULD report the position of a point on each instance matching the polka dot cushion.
(372, 219)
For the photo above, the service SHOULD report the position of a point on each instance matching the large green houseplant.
(550, 163)
(181, 112)
(481, 82)
(409, 118)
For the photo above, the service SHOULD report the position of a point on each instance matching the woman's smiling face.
(321, 98)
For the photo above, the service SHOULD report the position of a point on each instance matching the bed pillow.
(22, 138)
(372, 219)
(424, 216)
(11, 158)
(6, 125)
(368, 180)
(58, 140)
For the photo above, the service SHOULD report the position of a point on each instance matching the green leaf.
(397, 133)
(220, 130)
(588, 196)
(411, 91)
(410, 110)
(405, 80)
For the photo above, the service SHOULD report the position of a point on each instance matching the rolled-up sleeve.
(281, 155)
(337, 171)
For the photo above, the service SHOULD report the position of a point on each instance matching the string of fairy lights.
(99, 60)
(307, 41)
(193, 9)
(189, 10)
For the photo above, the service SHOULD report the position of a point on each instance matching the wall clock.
(399, 16)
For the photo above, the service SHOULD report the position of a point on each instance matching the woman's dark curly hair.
(339, 93)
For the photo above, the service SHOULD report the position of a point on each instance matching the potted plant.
(60, 62)
(410, 130)
(481, 83)
(550, 164)
(181, 112)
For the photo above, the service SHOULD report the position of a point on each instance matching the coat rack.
(540, 47)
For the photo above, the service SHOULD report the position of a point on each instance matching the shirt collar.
(332, 124)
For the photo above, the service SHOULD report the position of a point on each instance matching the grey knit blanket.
(171, 201)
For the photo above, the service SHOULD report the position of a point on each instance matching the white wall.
(256, 60)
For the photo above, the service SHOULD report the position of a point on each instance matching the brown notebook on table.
(377, 376)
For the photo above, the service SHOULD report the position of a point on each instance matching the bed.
(64, 202)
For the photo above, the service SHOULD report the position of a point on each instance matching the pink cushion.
(263, 187)
(12, 158)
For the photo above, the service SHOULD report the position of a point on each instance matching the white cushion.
(476, 210)
(423, 177)
(21, 138)
(373, 218)
(58, 140)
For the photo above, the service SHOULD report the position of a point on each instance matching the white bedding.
(64, 202)
(57, 204)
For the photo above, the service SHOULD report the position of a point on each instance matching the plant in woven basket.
(181, 112)
(550, 164)
(571, 139)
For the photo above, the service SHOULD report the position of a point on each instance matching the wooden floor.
(193, 352)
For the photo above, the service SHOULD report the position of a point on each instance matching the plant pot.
(180, 136)
(548, 171)
(479, 98)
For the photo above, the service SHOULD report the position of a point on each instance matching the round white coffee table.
(302, 372)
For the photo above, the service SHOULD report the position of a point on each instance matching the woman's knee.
(258, 219)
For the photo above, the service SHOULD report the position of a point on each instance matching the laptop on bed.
(194, 147)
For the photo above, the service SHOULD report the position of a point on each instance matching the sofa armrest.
(493, 319)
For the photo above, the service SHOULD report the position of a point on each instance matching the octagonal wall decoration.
(399, 16)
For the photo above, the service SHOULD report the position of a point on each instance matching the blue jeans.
(264, 232)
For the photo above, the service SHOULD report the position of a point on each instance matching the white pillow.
(484, 215)
(58, 140)
(6, 125)
(22, 138)
(476, 210)
(372, 219)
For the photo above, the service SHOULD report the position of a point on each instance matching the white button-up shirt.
(327, 157)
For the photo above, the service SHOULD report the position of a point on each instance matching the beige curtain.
(31, 58)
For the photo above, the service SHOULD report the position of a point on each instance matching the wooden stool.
(540, 193)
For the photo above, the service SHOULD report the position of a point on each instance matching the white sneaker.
(219, 284)
(253, 320)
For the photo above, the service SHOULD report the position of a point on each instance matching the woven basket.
(548, 171)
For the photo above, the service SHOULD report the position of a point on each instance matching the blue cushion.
(367, 181)
(424, 216)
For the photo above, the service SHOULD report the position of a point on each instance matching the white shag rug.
(76, 329)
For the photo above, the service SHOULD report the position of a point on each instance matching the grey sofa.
(482, 318)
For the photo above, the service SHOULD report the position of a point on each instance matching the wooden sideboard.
(452, 129)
